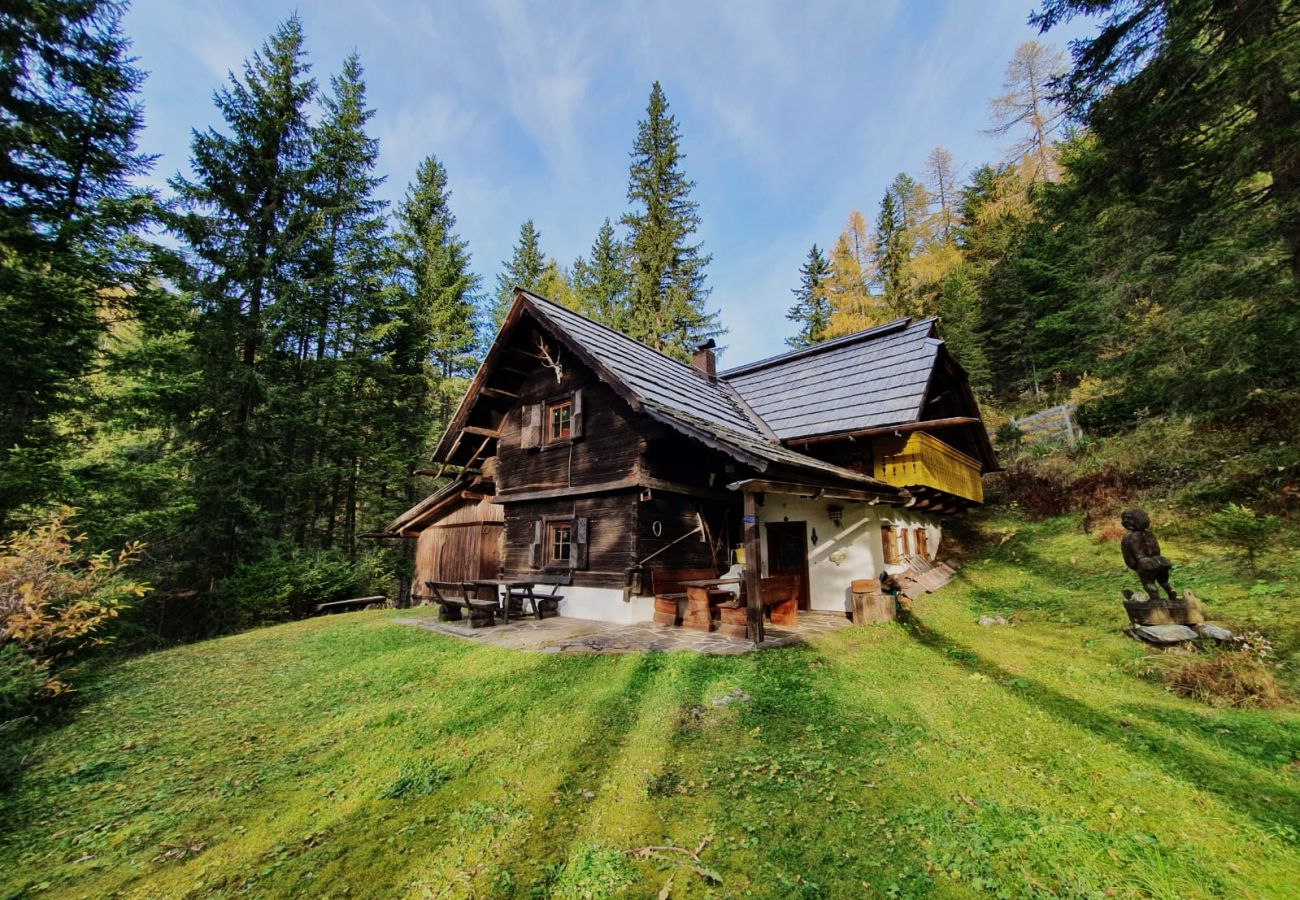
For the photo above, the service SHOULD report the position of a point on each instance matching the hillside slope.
(346, 756)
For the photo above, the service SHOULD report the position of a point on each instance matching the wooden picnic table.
(508, 590)
(699, 594)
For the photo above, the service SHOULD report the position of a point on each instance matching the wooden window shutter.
(530, 429)
(889, 544)
(579, 554)
(535, 549)
(575, 422)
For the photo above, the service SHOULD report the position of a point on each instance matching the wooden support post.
(753, 568)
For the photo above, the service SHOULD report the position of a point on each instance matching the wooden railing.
(920, 459)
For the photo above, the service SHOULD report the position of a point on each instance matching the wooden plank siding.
(611, 536)
(607, 450)
(601, 474)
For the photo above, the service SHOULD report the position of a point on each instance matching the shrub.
(1239, 527)
(22, 683)
(54, 599)
(287, 583)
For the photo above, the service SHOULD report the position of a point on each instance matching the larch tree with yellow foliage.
(848, 287)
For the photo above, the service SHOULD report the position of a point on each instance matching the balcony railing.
(922, 460)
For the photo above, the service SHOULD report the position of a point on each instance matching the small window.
(890, 543)
(559, 543)
(559, 421)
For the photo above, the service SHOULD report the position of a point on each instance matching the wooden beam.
(480, 431)
(891, 496)
(479, 452)
(689, 490)
(753, 570)
(885, 429)
(551, 493)
(499, 394)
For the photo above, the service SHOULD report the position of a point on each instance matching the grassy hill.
(346, 756)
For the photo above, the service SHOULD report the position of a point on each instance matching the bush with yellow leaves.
(55, 599)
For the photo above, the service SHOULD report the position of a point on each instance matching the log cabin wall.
(596, 476)
(676, 516)
(605, 447)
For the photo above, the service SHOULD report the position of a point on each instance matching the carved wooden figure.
(1142, 554)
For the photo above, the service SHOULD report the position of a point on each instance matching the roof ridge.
(614, 331)
(899, 324)
(726, 391)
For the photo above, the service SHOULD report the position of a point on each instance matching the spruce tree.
(667, 309)
(69, 117)
(898, 226)
(522, 269)
(246, 224)
(601, 282)
(812, 308)
(433, 343)
(327, 396)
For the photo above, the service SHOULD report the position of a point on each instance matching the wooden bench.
(544, 604)
(334, 606)
(482, 613)
(780, 604)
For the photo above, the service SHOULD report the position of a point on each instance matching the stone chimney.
(704, 361)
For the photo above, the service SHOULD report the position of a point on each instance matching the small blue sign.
(749, 519)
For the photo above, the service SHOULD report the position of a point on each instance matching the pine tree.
(69, 117)
(812, 308)
(1182, 211)
(667, 309)
(246, 224)
(329, 469)
(432, 345)
(555, 284)
(522, 269)
(898, 234)
(601, 282)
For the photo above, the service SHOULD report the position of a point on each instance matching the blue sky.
(792, 114)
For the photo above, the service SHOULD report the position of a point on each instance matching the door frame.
(800, 531)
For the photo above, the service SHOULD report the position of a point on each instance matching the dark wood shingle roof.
(681, 397)
(864, 380)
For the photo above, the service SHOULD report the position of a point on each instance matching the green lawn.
(348, 756)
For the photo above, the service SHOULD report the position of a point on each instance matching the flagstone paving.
(560, 634)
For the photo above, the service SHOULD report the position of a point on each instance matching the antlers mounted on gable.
(549, 359)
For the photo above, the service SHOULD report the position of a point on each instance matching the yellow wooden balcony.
(922, 460)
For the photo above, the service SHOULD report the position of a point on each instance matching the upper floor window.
(559, 421)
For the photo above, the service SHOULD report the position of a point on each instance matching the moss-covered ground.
(349, 757)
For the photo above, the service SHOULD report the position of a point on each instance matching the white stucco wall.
(843, 553)
(857, 538)
(604, 604)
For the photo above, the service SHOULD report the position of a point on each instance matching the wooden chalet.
(584, 453)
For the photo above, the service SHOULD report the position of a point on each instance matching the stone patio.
(559, 634)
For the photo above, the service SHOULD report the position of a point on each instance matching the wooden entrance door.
(787, 554)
